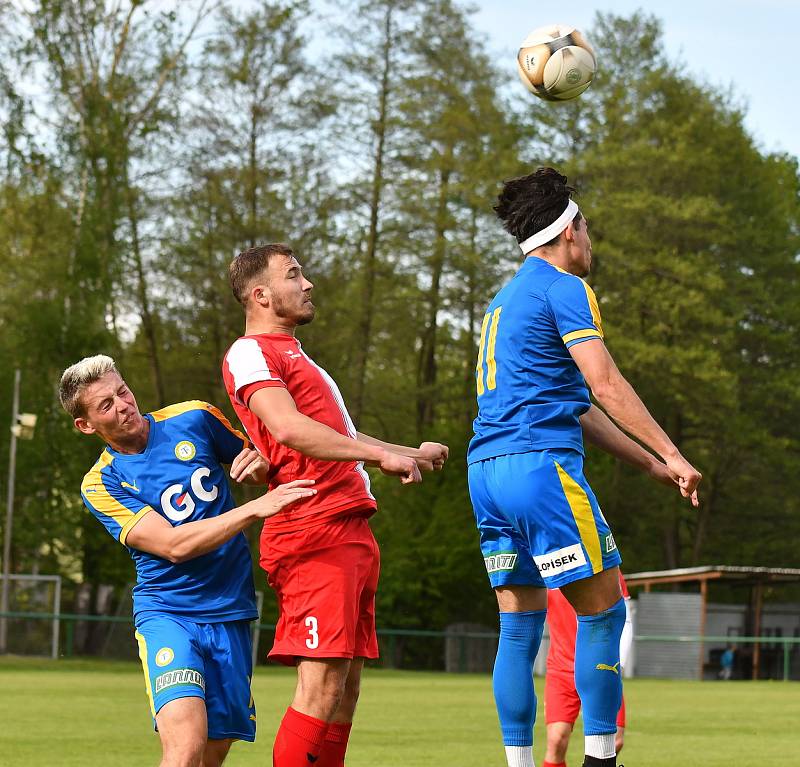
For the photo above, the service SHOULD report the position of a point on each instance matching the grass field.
(91, 713)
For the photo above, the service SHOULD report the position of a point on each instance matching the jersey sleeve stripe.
(132, 522)
(178, 409)
(594, 308)
(247, 364)
(584, 518)
(576, 334)
(220, 416)
(97, 496)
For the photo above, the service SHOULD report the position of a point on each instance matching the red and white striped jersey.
(275, 359)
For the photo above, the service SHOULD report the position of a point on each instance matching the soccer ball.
(556, 63)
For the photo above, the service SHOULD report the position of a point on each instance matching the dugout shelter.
(754, 580)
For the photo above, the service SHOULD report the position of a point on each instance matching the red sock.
(335, 746)
(299, 740)
(553, 764)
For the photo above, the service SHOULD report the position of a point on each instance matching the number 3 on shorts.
(313, 637)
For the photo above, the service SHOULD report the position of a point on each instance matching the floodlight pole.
(12, 468)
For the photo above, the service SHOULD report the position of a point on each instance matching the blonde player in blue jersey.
(160, 489)
(541, 352)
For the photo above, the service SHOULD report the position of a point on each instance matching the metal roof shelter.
(754, 577)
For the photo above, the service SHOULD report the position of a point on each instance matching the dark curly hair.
(528, 204)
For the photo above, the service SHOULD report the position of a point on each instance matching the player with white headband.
(540, 524)
(551, 231)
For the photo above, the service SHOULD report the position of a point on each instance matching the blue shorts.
(539, 521)
(212, 661)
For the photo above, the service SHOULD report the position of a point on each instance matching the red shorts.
(561, 701)
(325, 578)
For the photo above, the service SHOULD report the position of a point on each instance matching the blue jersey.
(530, 391)
(179, 476)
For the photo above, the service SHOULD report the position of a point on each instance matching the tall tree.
(452, 120)
(105, 101)
(253, 175)
(670, 184)
(371, 71)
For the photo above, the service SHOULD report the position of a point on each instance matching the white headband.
(547, 234)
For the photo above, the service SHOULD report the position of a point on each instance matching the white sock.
(601, 746)
(519, 756)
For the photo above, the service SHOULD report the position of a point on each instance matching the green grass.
(86, 712)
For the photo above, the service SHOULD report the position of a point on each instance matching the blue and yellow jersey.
(530, 391)
(179, 476)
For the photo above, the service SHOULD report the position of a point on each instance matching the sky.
(746, 45)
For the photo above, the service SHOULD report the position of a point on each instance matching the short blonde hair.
(80, 375)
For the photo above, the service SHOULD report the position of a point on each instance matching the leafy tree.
(135, 162)
(673, 187)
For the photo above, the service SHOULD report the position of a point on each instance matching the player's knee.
(560, 739)
(596, 594)
(215, 752)
(319, 700)
(349, 700)
(330, 699)
(352, 690)
(184, 752)
(320, 692)
(332, 685)
(182, 727)
(557, 744)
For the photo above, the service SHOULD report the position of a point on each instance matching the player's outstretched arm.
(602, 432)
(430, 456)
(622, 403)
(276, 409)
(155, 535)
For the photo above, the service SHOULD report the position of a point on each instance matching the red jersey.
(276, 359)
(563, 624)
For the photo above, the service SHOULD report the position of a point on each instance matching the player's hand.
(685, 476)
(658, 471)
(396, 465)
(282, 496)
(250, 466)
(433, 456)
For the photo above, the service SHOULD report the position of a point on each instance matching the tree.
(106, 93)
(455, 128)
(671, 184)
(254, 174)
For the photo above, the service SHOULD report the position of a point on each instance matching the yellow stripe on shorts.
(143, 657)
(584, 517)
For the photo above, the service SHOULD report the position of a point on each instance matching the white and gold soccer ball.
(556, 62)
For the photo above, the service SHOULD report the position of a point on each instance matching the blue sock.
(520, 635)
(598, 677)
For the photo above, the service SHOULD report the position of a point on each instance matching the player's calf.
(512, 681)
(598, 681)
